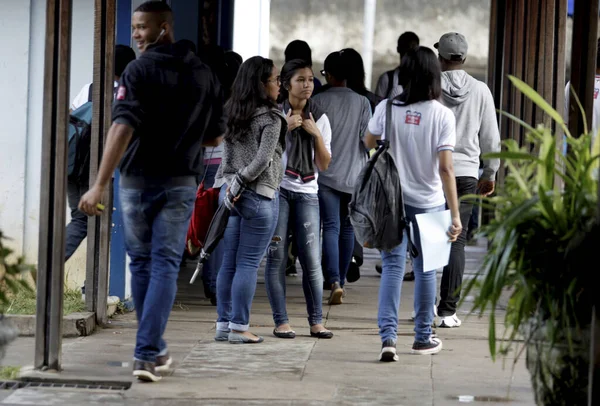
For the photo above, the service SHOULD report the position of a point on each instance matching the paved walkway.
(304, 371)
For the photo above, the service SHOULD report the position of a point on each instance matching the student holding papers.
(421, 142)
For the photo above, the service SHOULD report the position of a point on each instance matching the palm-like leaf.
(534, 225)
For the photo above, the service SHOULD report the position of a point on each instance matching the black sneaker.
(388, 351)
(432, 347)
(163, 362)
(145, 371)
(409, 276)
(353, 272)
(379, 268)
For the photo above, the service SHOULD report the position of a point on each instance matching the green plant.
(12, 271)
(537, 226)
(9, 373)
(24, 302)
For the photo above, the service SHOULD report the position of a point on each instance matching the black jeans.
(77, 228)
(453, 272)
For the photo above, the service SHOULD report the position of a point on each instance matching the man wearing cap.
(476, 135)
(349, 114)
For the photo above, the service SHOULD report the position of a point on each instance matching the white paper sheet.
(435, 247)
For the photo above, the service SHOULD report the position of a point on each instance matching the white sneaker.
(450, 321)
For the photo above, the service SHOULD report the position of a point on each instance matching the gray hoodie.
(476, 124)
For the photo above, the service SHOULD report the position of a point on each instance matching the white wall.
(251, 28)
(82, 45)
(14, 82)
(22, 40)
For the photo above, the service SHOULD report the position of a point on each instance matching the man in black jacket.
(168, 106)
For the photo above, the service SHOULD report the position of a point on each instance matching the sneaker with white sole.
(450, 321)
(433, 346)
(388, 351)
(163, 363)
(145, 371)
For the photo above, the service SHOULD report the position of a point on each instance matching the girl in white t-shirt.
(421, 140)
(308, 151)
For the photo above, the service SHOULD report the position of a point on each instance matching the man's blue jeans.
(338, 234)
(391, 285)
(155, 221)
(247, 236)
(303, 211)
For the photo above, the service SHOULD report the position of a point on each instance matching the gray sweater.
(476, 124)
(257, 156)
(349, 114)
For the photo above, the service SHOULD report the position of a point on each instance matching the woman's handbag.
(207, 201)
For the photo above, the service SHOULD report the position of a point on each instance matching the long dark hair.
(287, 73)
(248, 93)
(355, 70)
(422, 75)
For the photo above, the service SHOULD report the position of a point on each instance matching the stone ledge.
(74, 324)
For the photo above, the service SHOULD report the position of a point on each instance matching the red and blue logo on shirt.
(596, 91)
(413, 117)
(121, 93)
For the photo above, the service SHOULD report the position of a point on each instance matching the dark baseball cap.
(334, 65)
(452, 46)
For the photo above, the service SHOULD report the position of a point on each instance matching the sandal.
(284, 334)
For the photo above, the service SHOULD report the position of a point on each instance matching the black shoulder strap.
(390, 86)
(412, 249)
(90, 91)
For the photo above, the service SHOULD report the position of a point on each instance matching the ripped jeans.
(300, 211)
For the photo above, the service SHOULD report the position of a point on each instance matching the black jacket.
(174, 102)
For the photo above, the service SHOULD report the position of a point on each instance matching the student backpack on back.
(80, 122)
(377, 207)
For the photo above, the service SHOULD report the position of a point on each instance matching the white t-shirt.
(83, 95)
(296, 185)
(420, 131)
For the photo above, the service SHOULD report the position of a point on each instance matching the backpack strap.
(390, 86)
(412, 249)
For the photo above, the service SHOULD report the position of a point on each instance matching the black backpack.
(377, 207)
(80, 123)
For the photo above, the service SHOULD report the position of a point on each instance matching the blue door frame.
(118, 269)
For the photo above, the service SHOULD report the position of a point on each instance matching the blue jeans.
(77, 228)
(247, 236)
(391, 285)
(338, 234)
(302, 210)
(155, 222)
(210, 270)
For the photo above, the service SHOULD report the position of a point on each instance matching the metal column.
(583, 63)
(99, 228)
(53, 207)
